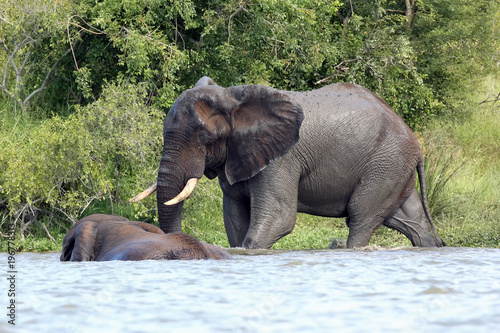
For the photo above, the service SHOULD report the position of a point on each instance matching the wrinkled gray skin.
(101, 237)
(338, 151)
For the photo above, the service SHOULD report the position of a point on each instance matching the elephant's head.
(230, 132)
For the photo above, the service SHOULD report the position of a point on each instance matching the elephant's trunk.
(169, 216)
(175, 182)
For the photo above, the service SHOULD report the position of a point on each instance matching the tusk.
(190, 185)
(144, 194)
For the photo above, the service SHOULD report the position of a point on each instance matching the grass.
(202, 215)
(467, 208)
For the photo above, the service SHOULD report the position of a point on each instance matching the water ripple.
(404, 289)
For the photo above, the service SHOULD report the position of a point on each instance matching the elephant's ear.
(264, 126)
(149, 227)
(79, 242)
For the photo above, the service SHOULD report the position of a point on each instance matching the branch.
(69, 218)
(92, 32)
(157, 41)
(6, 91)
(151, 39)
(10, 60)
(3, 85)
(493, 100)
(51, 214)
(339, 66)
(198, 43)
(14, 53)
(48, 233)
(69, 37)
(1, 18)
(25, 60)
(6, 64)
(345, 22)
(46, 80)
(70, 44)
(410, 12)
(239, 9)
(396, 11)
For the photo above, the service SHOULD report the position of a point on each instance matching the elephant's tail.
(423, 194)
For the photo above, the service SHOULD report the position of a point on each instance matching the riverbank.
(463, 190)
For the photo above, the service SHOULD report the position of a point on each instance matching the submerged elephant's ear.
(264, 126)
(149, 227)
(79, 243)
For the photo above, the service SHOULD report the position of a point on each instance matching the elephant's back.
(350, 120)
(173, 246)
(347, 133)
(344, 103)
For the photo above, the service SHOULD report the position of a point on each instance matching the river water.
(383, 290)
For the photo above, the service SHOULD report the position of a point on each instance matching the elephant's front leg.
(236, 218)
(273, 212)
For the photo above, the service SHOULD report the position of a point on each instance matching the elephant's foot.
(338, 243)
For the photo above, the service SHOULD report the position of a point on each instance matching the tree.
(457, 47)
(25, 28)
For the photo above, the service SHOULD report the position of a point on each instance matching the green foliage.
(64, 165)
(313, 232)
(462, 172)
(457, 44)
(419, 67)
(143, 46)
(443, 160)
(278, 43)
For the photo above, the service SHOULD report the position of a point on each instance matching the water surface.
(387, 290)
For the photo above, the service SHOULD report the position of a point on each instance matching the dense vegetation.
(85, 86)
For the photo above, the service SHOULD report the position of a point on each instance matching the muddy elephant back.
(216, 252)
(184, 246)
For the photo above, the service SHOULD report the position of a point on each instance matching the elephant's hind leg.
(364, 218)
(374, 199)
(411, 221)
(361, 230)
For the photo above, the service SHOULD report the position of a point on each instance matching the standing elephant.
(101, 237)
(338, 151)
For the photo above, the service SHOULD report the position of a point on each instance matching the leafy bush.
(104, 150)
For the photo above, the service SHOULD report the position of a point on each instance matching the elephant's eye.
(205, 137)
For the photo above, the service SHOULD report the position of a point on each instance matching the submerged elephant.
(101, 237)
(338, 151)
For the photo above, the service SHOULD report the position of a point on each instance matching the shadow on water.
(370, 248)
